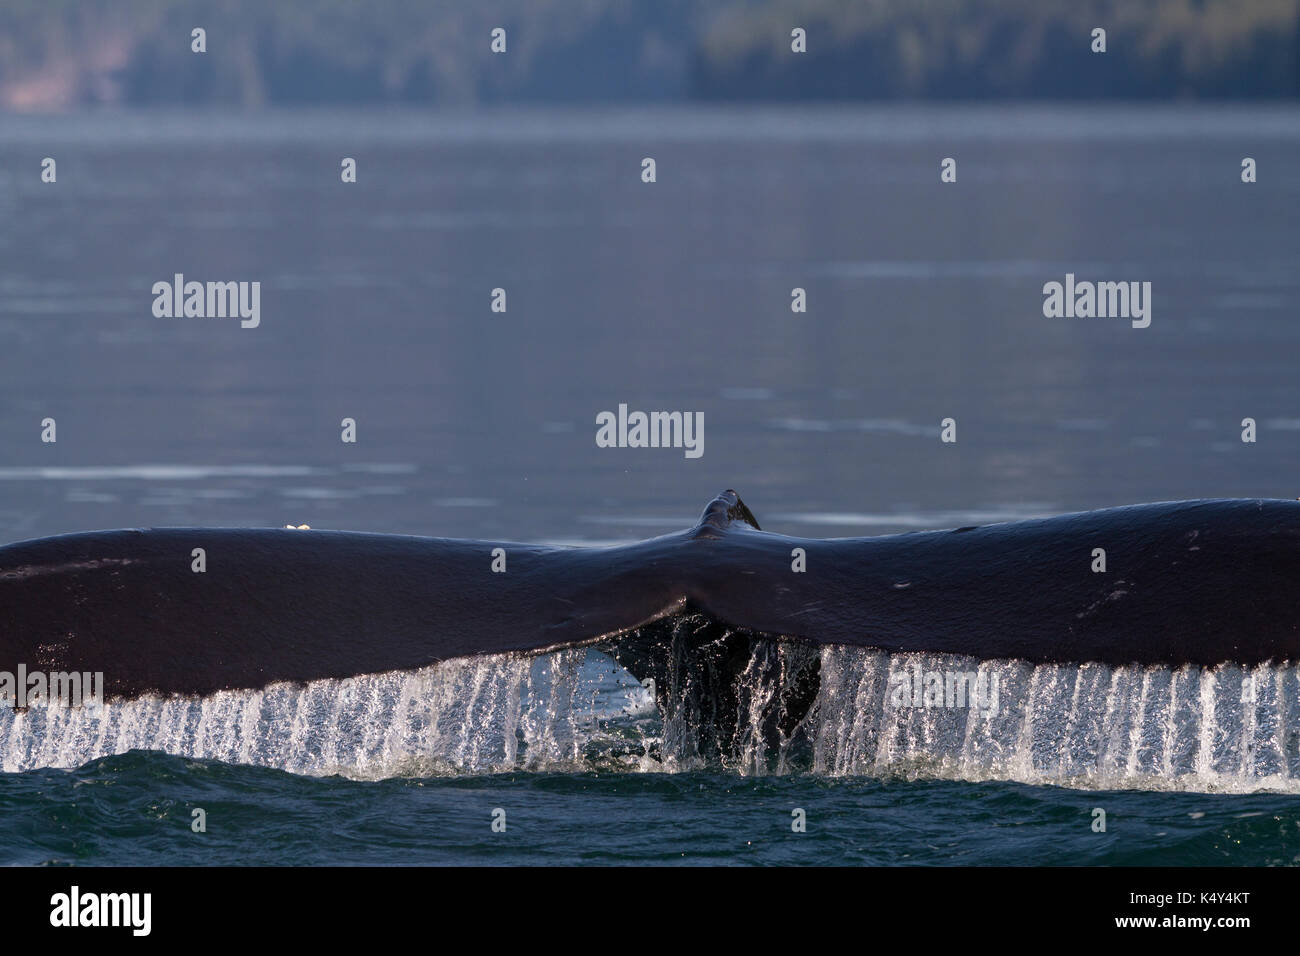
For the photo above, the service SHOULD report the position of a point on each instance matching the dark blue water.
(924, 302)
(136, 809)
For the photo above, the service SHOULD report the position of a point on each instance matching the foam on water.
(1088, 726)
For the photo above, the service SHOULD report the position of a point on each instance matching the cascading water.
(478, 715)
(1088, 726)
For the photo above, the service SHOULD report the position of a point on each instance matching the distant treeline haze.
(57, 54)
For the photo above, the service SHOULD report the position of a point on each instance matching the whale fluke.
(1199, 582)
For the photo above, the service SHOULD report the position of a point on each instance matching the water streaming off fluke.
(1089, 726)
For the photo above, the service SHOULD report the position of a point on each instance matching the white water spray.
(1088, 726)
(478, 715)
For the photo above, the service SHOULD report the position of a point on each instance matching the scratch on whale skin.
(37, 570)
(808, 608)
(1114, 595)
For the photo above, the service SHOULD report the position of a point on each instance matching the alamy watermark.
(133, 911)
(977, 690)
(58, 689)
(208, 300)
(651, 430)
(1102, 300)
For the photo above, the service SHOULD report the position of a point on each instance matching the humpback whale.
(1199, 582)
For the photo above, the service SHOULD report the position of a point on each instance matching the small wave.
(166, 472)
(923, 520)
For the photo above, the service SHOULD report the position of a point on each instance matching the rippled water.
(924, 301)
(136, 809)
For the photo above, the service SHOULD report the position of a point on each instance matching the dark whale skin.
(1192, 582)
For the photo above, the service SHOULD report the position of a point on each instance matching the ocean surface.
(924, 301)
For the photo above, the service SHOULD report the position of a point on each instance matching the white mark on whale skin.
(808, 608)
(899, 585)
(37, 570)
(1119, 592)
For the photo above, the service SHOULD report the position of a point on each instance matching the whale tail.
(1199, 582)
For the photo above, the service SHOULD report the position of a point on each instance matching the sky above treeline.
(67, 54)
